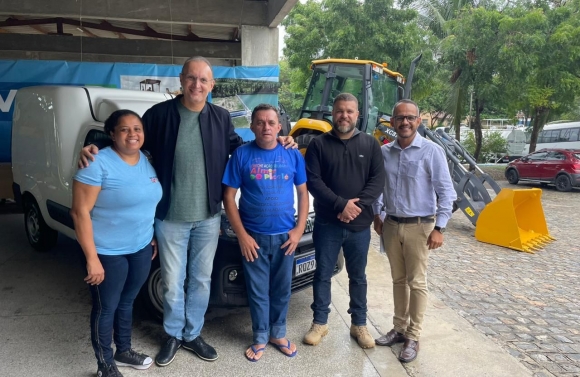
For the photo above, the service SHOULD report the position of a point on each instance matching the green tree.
(574, 112)
(493, 145)
(434, 99)
(435, 16)
(350, 29)
(292, 92)
(471, 49)
(539, 59)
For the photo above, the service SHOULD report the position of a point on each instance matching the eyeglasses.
(193, 79)
(410, 118)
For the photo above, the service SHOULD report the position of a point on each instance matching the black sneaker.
(133, 359)
(108, 371)
(167, 352)
(203, 350)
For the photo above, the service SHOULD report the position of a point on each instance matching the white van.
(51, 124)
(516, 141)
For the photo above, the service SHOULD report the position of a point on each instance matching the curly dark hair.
(114, 119)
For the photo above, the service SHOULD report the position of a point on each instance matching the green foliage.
(290, 95)
(349, 29)
(434, 99)
(538, 62)
(492, 145)
(470, 50)
(574, 112)
(522, 57)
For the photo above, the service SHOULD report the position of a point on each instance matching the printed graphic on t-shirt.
(271, 178)
(261, 170)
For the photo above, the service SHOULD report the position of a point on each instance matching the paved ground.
(527, 303)
(44, 327)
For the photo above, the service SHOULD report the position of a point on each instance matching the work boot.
(315, 334)
(362, 336)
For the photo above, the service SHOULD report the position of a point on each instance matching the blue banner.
(237, 89)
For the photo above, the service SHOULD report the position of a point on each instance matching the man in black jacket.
(190, 141)
(345, 175)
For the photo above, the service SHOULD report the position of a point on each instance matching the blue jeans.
(328, 239)
(268, 280)
(113, 299)
(186, 251)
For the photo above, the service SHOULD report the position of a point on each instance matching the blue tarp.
(15, 74)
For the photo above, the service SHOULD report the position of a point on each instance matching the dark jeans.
(112, 311)
(269, 279)
(328, 239)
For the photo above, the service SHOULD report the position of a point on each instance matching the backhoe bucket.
(514, 219)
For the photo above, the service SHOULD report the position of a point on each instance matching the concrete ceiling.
(193, 25)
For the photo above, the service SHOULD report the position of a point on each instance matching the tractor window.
(384, 93)
(349, 79)
(314, 94)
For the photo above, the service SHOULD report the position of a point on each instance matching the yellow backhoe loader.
(514, 219)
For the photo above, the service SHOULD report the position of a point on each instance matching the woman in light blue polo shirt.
(114, 202)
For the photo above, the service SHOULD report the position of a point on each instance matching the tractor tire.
(512, 176)
(563, 183)
(40, 236)
(303, 141)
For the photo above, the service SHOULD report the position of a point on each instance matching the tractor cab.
(376, 88)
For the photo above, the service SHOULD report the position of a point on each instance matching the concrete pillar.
(259, 45)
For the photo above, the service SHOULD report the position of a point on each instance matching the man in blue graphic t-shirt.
(267, 231)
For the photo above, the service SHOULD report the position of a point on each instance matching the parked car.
(559, 167)
(46, 139)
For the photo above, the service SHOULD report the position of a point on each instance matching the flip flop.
(255, 351)
(280, 346)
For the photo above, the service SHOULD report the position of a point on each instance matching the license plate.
(305, 265)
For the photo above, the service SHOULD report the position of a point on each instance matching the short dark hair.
(262, 107)
(114, 119)
(409, 102)
(345, 97)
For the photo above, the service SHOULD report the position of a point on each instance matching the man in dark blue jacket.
(190, 141)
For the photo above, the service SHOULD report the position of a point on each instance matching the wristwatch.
(439, 229)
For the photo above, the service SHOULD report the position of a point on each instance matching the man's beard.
(343, 129)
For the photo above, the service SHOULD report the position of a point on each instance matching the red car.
(560, 167)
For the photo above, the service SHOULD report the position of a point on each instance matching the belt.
(413, 220)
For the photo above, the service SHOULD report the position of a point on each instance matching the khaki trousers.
(406, 246)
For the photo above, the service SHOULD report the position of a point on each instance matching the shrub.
(492, 145)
